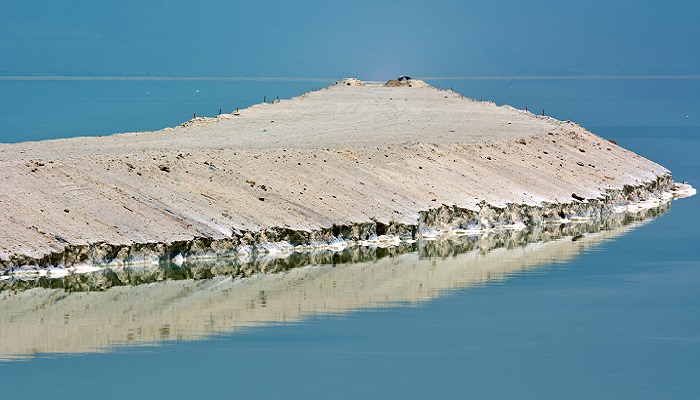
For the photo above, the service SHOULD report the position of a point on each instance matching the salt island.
(353, 164)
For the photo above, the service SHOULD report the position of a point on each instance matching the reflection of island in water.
(139, 305)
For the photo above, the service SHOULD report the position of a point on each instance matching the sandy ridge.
(346, 154)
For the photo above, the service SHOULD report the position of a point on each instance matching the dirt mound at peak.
(406, 82)
(350, 82)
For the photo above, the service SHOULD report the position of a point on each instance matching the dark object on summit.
(402, 77)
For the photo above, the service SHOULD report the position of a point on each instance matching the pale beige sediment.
(55, 321)
(341, 155)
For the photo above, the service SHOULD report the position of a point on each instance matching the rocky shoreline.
(196, 261)
(443, 222)
(146, 304)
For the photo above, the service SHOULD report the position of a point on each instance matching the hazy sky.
(366, 39)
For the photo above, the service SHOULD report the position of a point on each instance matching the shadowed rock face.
(445, 219)
(146, 304)
(348, 161)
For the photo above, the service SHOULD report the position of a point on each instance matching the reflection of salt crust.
(468, 232)
(53, 320)
(178, 260)
(515, 227)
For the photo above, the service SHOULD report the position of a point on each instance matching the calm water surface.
(618, 319)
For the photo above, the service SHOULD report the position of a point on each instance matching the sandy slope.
(341, 155)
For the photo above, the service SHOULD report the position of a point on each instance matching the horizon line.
(556, 77)
(158, 78)
(317, 79)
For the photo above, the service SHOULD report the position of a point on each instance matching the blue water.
(621, 321)
(39, 110)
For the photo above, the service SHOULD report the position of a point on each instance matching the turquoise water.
(38, 110)
(620, 320)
